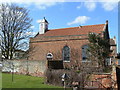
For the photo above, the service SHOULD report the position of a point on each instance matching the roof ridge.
(75, 27)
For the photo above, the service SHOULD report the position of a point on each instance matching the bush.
(54, 77)
(107, 69)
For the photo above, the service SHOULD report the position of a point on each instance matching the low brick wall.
(103, 79)
(34, 68)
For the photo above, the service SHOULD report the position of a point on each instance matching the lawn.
(23, 81)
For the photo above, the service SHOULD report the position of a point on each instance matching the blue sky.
(71, 14)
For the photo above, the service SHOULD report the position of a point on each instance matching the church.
(66, 44)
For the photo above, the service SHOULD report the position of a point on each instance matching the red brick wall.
(43, 45)
(104, 80)
(114, 53)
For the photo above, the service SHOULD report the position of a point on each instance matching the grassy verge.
(22, 81)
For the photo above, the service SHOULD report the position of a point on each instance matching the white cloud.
(29, 1)
(109, 6)
(41, 4)
(30, 33)
(90, 5)
(79, 20)
(32, 27)
(78, 7)
(38, 21)
(44, 5)
(108, 0)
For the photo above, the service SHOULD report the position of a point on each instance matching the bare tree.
(15, 25)
(81, 71)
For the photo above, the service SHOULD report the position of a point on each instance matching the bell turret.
(43, 26)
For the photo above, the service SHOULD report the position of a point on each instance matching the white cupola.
(43, 26)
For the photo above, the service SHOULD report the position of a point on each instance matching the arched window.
(84, 53)
(49, 56)
(66, 53)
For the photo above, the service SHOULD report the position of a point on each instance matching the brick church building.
(67, 44)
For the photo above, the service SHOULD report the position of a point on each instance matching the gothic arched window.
(84, 52)
(66, 53)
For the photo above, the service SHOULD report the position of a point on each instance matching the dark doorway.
(55, 64)
(118, 77)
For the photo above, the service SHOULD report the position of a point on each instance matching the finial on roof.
(106, 21)
(80, 26)
(114, 36)
(45, 20)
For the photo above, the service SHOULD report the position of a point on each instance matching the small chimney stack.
(114, 38)
(80, 26)
(106, 32)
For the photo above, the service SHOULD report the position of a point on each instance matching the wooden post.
(12, 72)
(64, 85)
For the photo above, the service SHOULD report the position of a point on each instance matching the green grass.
(23, 81)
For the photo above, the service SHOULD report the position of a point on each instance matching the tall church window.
(84, 53)
(66, 54)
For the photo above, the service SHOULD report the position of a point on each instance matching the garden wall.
(34, 67)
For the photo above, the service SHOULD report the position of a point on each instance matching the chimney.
(80, 26)
(114, 38)
(106, 32)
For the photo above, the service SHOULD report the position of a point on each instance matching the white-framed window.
(108, 61)
(66, 54)
(42, 25)
(119, 62)
(84, 53)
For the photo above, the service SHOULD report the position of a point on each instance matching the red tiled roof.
(74, 30)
